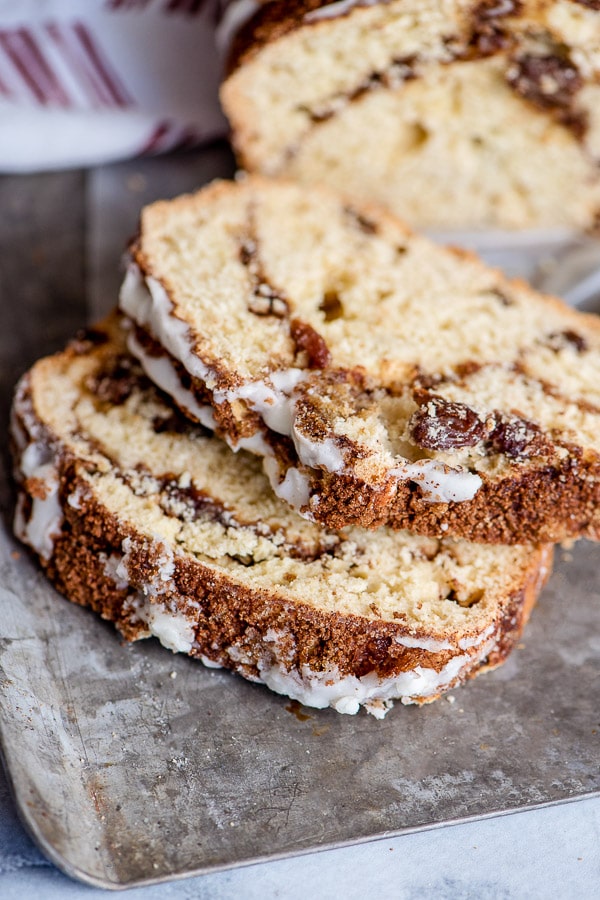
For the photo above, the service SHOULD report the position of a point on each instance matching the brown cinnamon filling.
(266, 299)
(551, 83)
(190, 504)
(310, 342)
(396, 74)
(558, 340)
(117, 380)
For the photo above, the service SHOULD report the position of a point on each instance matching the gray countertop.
(543, 853)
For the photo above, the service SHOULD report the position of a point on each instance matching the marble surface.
(553, 852)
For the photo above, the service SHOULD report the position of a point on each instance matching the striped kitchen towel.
(88, 82)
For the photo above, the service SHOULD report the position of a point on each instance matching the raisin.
(558, 340)
(550, 82)
(443, 425)
(516, 437)
(310, 341)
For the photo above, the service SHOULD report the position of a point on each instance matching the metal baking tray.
(132, 765)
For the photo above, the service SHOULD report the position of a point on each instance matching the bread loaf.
(161, 529)
(461, 113)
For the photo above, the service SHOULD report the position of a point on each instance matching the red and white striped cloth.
(88, 82)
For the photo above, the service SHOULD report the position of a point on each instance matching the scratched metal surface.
(132, 765)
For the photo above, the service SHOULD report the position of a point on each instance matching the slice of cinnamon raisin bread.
(384, 379)
(157, 526)
(462, 113)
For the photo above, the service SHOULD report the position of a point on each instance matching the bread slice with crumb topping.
(161, 529)
(383, 379)
(463, 113)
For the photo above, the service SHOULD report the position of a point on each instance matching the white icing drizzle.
(172, 629)
(439, 483)
(277, 407)
(44, 523)
(281, 638)
(165, 563)
(115, 570)
(430, 644)
(318, 453)
(163, 373)
(256, 444)
(333, 10)
(75, 500)
(272, 402)
(148, 304)
(209, 663)
(35, 458)
(37, 461)
(295, 487)
(345, 694)
(466, 643)
(121, 569)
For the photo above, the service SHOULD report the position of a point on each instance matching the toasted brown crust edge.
(269, 23)
(548, 504)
